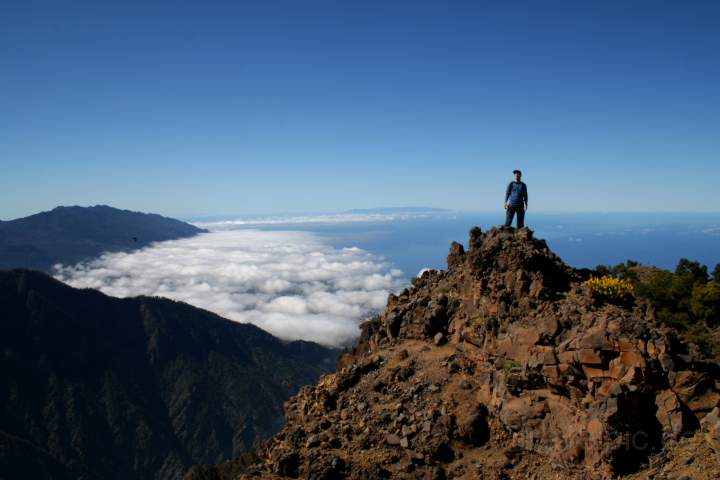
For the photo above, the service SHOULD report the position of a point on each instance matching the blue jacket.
(516, 194)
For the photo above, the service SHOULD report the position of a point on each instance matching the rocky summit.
(505, 365)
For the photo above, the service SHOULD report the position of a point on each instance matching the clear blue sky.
(194, 108)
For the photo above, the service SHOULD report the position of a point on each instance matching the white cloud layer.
(291, 284)
(330, 218)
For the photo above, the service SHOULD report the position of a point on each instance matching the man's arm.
(507, 194)
(525, 195)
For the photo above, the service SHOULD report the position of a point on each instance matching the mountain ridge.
(101, 387)
(505, 365)
(68, 235)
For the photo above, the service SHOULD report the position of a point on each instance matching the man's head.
(518, 175)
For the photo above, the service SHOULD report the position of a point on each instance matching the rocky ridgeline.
(503, 366)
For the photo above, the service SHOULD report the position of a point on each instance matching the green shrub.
(705, 303)
(687, 299)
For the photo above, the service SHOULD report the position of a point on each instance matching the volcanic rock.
(561, 385)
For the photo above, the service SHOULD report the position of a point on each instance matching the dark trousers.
(510, 213)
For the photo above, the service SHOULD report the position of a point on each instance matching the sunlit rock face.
(503, 366)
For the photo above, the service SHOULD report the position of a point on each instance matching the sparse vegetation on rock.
(534, 379)
(608, 288)
(687, 300)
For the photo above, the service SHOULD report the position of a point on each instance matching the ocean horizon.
(414, 239)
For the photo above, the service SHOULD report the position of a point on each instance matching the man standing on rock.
(516, 201)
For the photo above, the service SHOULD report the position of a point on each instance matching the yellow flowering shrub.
(610, 288)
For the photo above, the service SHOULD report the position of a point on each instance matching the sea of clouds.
(317, 219)
(289, 283)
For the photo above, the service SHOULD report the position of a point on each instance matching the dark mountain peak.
(78, 208)
(92, 210)
(72, 234)
(505, 365)
(101, 210)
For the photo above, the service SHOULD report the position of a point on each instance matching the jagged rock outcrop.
(502, 366)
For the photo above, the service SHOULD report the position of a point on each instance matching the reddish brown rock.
(530, 376)
(711, 425)
(589, 357)
(670, 413)
(696, 389)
